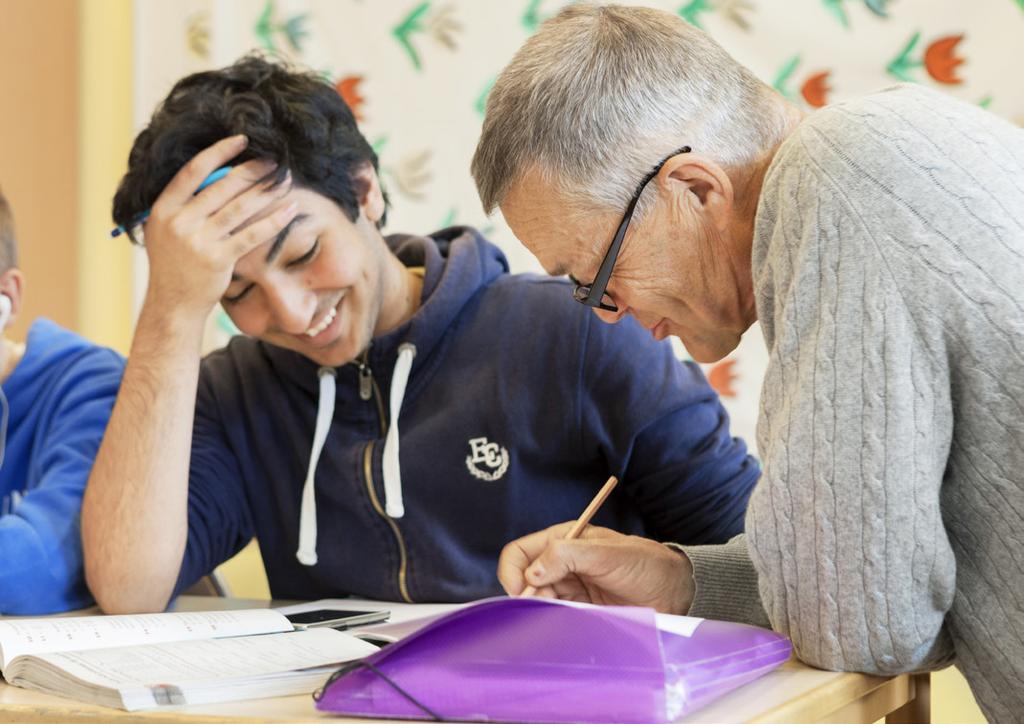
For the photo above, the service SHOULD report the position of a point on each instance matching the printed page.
(39, 635)
(200, 664)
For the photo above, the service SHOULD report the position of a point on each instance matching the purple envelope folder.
(534, 660)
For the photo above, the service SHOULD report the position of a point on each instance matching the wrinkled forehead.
(563, 237)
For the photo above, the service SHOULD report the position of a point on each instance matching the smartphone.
(335, 618)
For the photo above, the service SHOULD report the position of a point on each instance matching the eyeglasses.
(593, 294)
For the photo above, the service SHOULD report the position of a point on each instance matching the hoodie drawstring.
(307, 518)
(393, 504)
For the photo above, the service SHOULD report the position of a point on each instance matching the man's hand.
(601, 566)
(194, 241)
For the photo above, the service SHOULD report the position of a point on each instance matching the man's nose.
(293, 310)
(609, 317)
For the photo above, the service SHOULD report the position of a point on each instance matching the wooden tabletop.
(792, 693)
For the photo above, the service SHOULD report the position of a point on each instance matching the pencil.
(583, 520)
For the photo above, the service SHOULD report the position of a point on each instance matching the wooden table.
(791, 694)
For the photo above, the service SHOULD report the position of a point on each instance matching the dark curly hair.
(292, 117)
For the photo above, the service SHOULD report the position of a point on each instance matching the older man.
(881, 244)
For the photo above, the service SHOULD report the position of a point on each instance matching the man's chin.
(335, 354)
(709, 350)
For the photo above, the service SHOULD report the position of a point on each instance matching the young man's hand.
(194, 241)
(602, 566)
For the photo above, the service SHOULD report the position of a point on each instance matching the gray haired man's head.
(601, 93)
(588, 107)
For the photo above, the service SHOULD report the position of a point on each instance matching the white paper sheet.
(79, 633)
(185, 663)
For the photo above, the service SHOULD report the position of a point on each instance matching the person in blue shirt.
(57, 393)
(396, 411)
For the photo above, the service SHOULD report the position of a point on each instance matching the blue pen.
(215, 176)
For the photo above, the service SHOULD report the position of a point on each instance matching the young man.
(56, 398)
(395, 414)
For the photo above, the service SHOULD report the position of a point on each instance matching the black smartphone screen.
(335, 617)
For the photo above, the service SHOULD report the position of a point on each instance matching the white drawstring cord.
(307, 518)
(393, 503)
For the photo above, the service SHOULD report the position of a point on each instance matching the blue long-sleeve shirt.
(59, 399)
(519, 405)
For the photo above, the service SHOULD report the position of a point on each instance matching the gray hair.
(8, 243)
(602, 93)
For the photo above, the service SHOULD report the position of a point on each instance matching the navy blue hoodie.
(518, 406)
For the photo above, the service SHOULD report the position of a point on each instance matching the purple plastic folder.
(536, 660)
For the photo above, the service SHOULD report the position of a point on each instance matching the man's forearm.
(135, 512)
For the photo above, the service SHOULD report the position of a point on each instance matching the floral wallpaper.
(417, 73)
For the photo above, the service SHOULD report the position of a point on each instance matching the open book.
(150, 660)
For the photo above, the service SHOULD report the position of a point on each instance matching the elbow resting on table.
(119, 594)
(884, 649)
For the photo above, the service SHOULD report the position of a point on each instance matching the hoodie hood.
(458, 262)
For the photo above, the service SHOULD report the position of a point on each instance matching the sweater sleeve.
(41, 539)
(845, 528)
(725, 583)
(219, 520)
(663, 430)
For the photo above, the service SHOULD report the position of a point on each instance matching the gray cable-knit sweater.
(887, 532)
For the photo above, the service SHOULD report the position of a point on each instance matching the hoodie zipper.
(368, 388)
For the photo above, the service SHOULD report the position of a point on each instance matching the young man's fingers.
(249, 176)
(177, 193)
(246, 207)
(259, 232)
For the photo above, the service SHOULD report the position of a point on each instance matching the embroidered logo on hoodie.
(492, 456)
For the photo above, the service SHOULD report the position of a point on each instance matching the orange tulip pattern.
(815, 89)
(941, 60)
(348, 89)
(721, 378)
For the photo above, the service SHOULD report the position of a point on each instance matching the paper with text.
(41, 635)
(205, 662)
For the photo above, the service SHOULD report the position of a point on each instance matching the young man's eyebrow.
(275, 249)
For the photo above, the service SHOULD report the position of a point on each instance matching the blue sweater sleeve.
(664, 431)
(219, 521)
(41, 539)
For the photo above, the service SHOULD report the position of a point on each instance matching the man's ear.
(703, 181)
(12, 283)
(371, 201)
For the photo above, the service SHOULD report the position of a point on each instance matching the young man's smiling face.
(317, 287)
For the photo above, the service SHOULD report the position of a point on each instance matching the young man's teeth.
(324, 323)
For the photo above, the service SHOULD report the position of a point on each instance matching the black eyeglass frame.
(590, 295)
